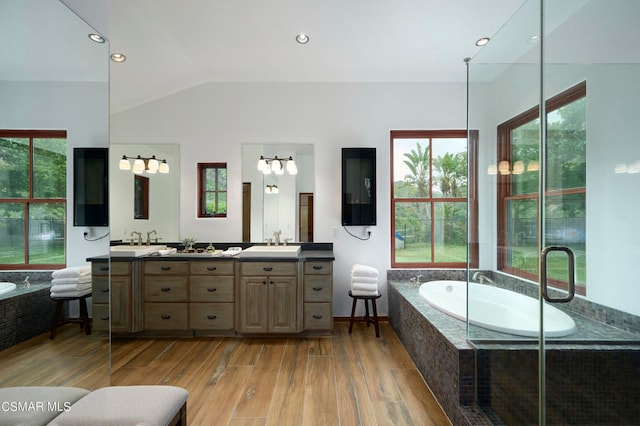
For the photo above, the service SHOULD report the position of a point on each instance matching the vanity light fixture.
(141, 164)
(267, 165)
(482, 41)
(271, 189)
(302, 38)
(97, 38)
(118, 57)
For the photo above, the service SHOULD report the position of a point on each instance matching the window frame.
(30, 199)
(471, 200)
(202, 192)
(504, 151)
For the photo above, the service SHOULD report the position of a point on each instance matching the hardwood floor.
(342, 379)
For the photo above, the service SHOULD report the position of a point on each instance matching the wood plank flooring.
(343, 379)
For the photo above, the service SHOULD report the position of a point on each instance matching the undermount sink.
(136, 251)
(271, 251)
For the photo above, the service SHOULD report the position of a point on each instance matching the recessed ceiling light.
(118, 57)
(97, 38)
(482, 41)
(302, 38)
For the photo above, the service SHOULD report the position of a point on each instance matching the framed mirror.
(274, 202)
(140, 197)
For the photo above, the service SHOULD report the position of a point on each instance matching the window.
(429, 191)
(212, 189)
(33, 188)
(565, 192)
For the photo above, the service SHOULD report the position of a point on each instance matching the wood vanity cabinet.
(126, 300)
(165, 295)
(211, 295)
(318, 294)
(269, 299)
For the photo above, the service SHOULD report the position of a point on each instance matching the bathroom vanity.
(199, 294)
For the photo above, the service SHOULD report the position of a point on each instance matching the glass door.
(554, 96)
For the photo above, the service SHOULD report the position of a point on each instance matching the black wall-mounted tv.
(91, 187)
(358, 186)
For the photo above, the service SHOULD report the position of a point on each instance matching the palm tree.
(418, 163)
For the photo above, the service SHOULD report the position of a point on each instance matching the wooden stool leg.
(56, 319)
(84, 315)
(375, 316)
(366, 312)
(353, 311)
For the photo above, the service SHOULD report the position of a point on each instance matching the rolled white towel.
(364, 292)
(79, 280)
(69, 287)
(72, 272)
(372, 280)
(364, 286)
(77, 293)
(364, 271)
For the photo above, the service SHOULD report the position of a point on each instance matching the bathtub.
(496, 309)
(6, 287)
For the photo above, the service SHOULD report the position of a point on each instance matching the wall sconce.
(272, 189)
(267, 165)
(150, 165)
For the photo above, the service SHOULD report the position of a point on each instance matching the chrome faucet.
(481, 278)
(139, 234)
(149, 236)
(415, 280)
(276, 238)
(26, 282)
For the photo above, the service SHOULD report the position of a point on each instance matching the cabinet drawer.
(317, 267)
(166, 267)
(100, 289)
(317, 288)
(211, 267)
(100, 317)
(165, 289)
(166, 316)
(211, 316)
(116, 268)
(317, 316)
(210, 289)
(268, 268)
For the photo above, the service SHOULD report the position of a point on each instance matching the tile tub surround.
(438, 346)
(25, 312)
(430, 335)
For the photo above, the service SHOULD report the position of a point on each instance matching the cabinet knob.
(317, 288)
(104, 268)
(317, 268)
(165, 289)
(165, 317)
(211, 317)
(267, 269)
(211, 290)
(165, 268)
(316, 316)
(264, 282)
(211, 268)
(105, 290)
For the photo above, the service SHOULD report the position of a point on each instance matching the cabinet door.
(254, 305)
(282, 297)
(120, 304)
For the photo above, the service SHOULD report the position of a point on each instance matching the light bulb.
(138, 165)
(153, 164)
(262, 163)
(124, 163)
(163, 167)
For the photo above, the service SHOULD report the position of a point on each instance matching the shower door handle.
(571, 279)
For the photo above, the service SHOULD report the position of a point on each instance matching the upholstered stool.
(366, 317)
(36, 405)
(128, 406)
(84, 320)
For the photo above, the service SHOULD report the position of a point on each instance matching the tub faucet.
(415, 280)
(481, 278)
(26, 282)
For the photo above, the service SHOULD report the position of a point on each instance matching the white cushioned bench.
(109, 406)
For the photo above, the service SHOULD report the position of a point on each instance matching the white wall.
(212, 121)
(82, 109)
